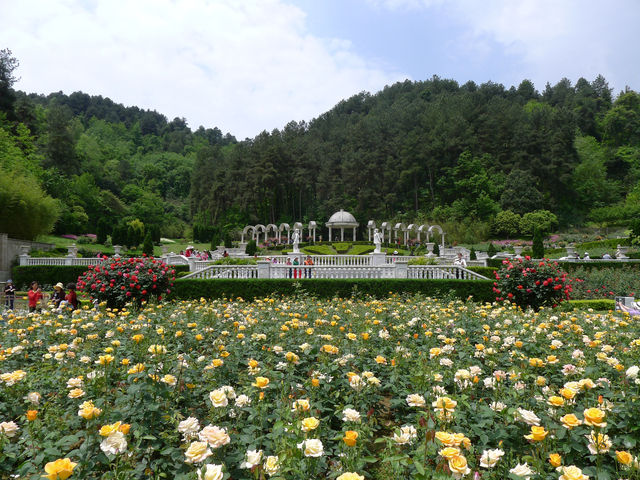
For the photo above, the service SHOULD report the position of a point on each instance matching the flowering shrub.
(118, 281)
(292, 388)
(531, 283)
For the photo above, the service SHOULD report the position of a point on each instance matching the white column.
(330, 237)
(354, 234)
(342, 234)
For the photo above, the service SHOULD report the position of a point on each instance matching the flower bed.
(293, 388)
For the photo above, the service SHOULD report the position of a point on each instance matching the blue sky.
(252, 65)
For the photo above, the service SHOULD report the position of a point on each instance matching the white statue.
(296, 240)
(377, 240)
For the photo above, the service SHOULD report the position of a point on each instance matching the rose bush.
(118, 281)
(530, 283)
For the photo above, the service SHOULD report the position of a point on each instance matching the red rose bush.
(118, 281)
(530, 283)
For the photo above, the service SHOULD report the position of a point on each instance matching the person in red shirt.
(71, 298)
(35, 295)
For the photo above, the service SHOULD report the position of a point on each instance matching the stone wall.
(10, 249)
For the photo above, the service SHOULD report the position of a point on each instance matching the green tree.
(544, 220)
(102, 230)
(26, 210)
(135, 233)
(590, 175)
(8, 64)
(538, 245)
(506, 224)
(251, 248)
(147, 245)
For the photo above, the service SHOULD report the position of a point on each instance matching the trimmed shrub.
(472, 254)
(147, 245)
(538, 245)
(46, 274)
(251, 248)
(491, 251)
(531, 283)
(600, 304)
(118, 281)
(184, 289)
(488, 272)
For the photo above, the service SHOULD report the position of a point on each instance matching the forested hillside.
(469, 154)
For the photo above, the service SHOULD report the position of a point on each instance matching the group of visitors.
(37, 299)
(298, 272)
(198, 254)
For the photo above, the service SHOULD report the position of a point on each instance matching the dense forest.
(471, 155)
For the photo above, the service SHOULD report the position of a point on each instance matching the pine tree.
(147, 245)
(538, 245)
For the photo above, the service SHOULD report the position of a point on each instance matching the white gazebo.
(342, 220)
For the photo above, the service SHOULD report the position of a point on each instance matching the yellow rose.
(310, 423)
(567, 393)
(32, 415)
(570, 421)
(458, 465)
(449, 452)
(572, 473)
(60, 469)
(445, 437)
(555, 460)
(555, 401)
(107, 430)
(350, 476)
(381, 360)
(594, 417)
(350, 438)
(197, 452)
(261, 382)
(624, 457)
(537, 434)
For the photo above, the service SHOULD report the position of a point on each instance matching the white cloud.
(544, 40)
(243, 66)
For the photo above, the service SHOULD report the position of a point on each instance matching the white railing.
(453, 272)
(335, 271)
(323, 260)
(226, 271)
(398, 258)
(31, 261)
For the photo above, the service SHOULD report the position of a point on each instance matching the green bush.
(600, 304)
(319, 250)
(491, 251)
(538, 245)
(185, 289)
(147, 245)
(361, 249)
(544, 220)
(252, 248)
(235, 261)
(506, 224)
(342, 248)
(46, 274)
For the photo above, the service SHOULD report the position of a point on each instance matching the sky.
(245, 66)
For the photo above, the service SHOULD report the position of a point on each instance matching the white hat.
(59, 285)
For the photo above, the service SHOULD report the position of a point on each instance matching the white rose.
(350, 415)
(189, 427)
(216, 437)
(242, 401)
(632, 372)
(218, 398)
(407, 433)
(211, 472)
(252, 458)
(114, 443)
(523, 471)
(33, 397)
(528, 417)
(9, 429)
(489, 458)
(197, 452)
(312, 447)
(271, 466)
(416, 400)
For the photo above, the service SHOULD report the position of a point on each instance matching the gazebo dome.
(342, 219)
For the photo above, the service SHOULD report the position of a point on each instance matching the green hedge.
(601, 304)
(22, 276)
(185, 289)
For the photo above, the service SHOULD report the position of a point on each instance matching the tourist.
(58, 294)
(35, 295)
(9, 294)
(71, 297)
(290, 270)
(225, 254)
(460, 262)
(586, 256)
(307, 271)
(606, 256)
(296, 271)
